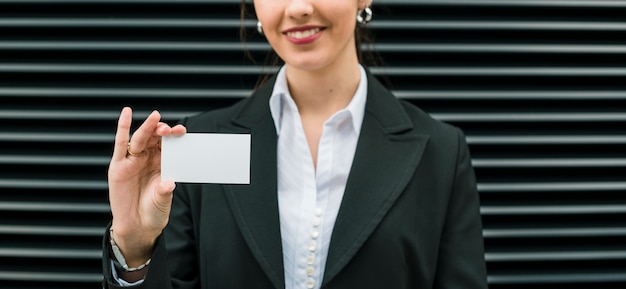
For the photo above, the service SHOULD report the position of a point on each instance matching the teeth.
(303, 34)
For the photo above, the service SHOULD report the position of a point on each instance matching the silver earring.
(364, 16)
(259, 27)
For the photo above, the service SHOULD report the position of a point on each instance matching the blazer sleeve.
(461, 259)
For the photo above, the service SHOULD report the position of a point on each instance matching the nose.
(298, 9)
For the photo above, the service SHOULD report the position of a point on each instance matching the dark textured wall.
(538, 86)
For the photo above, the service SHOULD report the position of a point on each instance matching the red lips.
(303, 34)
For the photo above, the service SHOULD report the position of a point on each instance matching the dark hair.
(362, 36)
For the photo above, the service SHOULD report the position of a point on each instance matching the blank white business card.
(206, 158)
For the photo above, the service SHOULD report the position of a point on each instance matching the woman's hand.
(140, 201)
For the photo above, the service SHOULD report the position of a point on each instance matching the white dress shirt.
(309, 198)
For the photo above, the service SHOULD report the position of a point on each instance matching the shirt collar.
(281, 97)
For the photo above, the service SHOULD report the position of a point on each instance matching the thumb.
(163, 196)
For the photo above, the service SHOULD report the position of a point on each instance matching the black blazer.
(409, 216)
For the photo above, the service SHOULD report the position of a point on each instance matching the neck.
(323, 92)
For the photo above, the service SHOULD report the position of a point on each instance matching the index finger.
(145, 132)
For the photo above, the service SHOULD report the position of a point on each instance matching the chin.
(306, 65)
(306, 61)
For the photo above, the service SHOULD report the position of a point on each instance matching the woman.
(350, 187)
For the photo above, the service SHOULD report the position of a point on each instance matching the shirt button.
(316, 221)
(310, 271)
(310, 283)
(312, 245)
(315, 233)
(318, 212)
(310, 259)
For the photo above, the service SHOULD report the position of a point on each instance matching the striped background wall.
(538, 86)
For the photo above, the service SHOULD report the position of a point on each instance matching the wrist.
(128, 260)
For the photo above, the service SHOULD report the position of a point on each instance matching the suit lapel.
(387, 155)
(255, 206)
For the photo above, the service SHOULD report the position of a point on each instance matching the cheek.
(345, 29)
(344, 17)
(267, 10)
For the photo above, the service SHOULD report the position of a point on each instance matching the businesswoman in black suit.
(350, 187)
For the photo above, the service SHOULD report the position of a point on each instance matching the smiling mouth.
(303, 34)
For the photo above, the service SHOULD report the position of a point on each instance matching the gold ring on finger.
(130, 153)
